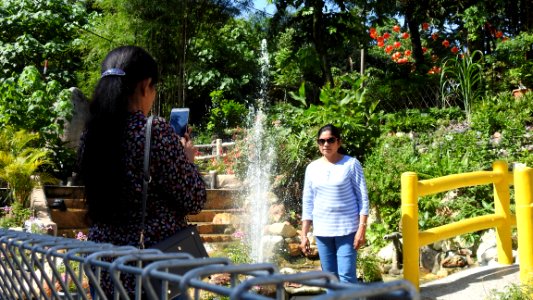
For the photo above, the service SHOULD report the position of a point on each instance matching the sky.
(263, 5)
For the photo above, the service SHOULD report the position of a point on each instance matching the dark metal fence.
(34, 266)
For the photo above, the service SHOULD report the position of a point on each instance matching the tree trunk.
(318, 40)
(413, 24)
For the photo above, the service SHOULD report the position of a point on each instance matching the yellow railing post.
(502, 202)
(409, 194)
(523, 180)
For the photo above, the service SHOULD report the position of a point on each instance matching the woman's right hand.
(188, 146)
(304, 246)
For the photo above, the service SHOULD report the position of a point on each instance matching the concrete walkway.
(472, 284)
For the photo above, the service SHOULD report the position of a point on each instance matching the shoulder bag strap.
(146, 175)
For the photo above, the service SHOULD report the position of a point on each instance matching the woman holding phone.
(111, 160)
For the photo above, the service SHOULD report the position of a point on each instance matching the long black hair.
(336, 132)
(101, 163)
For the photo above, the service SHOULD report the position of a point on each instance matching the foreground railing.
(34, 266)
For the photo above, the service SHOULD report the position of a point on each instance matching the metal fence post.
(411, 242)
(502, 202)
(523, 180)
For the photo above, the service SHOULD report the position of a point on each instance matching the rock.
(277, 212)
(294, 249)
(272, 198)
(282, 229)
(313, 254)
(486, 250)
(297, 289)
(463, 243)
(271, 244)
(437, 245)
(223, 218)
(386, 253)
(456, 261)
(228, 181)
(437, 263)
(428, 257)
(287, 270)
(488, 255)
(442, 273)
(80, 112)
(220, 279)
(293, 288)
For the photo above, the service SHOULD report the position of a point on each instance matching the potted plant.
(517, 76)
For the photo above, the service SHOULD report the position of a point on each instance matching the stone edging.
(40, 208)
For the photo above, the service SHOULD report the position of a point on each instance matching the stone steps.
(213, 221)
(207, 215)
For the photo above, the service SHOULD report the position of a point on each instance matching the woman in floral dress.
(111, 159)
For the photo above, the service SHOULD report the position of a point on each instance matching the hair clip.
(113, 72)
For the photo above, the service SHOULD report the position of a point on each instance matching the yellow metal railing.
(501, 219)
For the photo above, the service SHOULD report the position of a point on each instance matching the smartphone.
(179, 117)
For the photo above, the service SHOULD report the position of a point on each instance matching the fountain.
(261, 159)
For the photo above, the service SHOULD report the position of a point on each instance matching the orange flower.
(386, 35)
(434, 70)
(381, 44)
(397, 44)
(396, 28)
(407, 53)
(388, 49)
(402, 60)
(373, 32)
(446, 43)
(454, 49)
(397, 55)
(380, 39)
(499, 34)
(434, 36)
(425, 26)
(405, 35)
(424, 49)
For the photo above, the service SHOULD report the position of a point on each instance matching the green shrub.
(14, 215)
(20, 161)
(512, 292)
(368, 267)
(225, 114)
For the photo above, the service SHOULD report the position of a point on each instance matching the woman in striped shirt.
(335, 203)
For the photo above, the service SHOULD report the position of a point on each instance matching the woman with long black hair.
(111, 159)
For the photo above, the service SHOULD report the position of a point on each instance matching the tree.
(35, 32)
(169, 30)
(327, 35)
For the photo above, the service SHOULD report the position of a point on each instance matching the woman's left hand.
(359, 239)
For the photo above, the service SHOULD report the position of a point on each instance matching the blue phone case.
(179, 117)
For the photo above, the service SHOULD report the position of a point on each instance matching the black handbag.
(186, 240)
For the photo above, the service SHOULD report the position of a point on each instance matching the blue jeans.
(338, 256)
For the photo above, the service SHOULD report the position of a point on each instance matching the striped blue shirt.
(334, 196)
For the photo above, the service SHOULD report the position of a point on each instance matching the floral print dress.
(176, 188)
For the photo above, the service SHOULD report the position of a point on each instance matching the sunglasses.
(331, 140)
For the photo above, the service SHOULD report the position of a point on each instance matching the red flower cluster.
(389, 42)
(397, 44)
